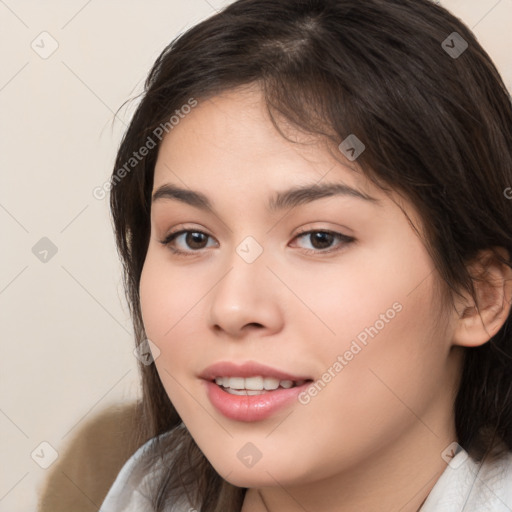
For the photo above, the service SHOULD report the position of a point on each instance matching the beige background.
(66, 348)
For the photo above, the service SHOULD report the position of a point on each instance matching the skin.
(372, 438)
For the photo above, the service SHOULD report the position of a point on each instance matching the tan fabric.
(87, 466)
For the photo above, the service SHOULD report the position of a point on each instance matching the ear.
(478, 323)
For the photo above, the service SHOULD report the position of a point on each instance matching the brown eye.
(195, 239)
(322, 241)
(190, 241)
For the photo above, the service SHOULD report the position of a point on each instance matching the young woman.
(312, 205)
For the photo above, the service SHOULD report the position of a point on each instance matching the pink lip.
(248, 369)
(250, 407)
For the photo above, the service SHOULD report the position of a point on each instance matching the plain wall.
(67, 347)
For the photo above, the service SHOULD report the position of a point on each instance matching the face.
(332, 288)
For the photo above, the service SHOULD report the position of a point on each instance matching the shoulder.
(129, 492)
(125, 493)
(473, 486)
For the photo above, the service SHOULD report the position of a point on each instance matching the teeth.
(234, 382)
(254, 384)
(270, 383)
(244, 392)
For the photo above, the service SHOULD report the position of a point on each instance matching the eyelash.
(341, 237)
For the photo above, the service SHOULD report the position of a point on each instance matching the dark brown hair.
(437, 128)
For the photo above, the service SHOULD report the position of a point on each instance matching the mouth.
(251, 391)
(250, 375)
(251, 405)
(255, 385)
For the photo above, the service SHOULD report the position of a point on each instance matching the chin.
(246, 478)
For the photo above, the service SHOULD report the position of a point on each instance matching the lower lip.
(251, 407)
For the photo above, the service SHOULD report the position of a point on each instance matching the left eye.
(321, 241)
(192, 238)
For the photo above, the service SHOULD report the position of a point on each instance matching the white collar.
(468, 486)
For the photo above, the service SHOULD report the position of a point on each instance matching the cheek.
(363, 292)
(383, 322)
(154, 300)
(166, 295)
(171, 298)
(391, 368)
(167, 298)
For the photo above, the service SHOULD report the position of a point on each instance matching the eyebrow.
(285, 199)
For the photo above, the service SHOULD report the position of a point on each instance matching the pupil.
(326, 237)
(197, 237)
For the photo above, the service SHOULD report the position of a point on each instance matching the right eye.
(192, 238)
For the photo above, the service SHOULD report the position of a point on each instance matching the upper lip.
(247, 369)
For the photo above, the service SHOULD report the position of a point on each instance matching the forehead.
(231, 136)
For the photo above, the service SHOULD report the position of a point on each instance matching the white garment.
(128, 492)
(464, 486)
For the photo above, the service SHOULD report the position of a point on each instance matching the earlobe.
(493, 286)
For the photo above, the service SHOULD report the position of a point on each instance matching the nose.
(247, 298)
